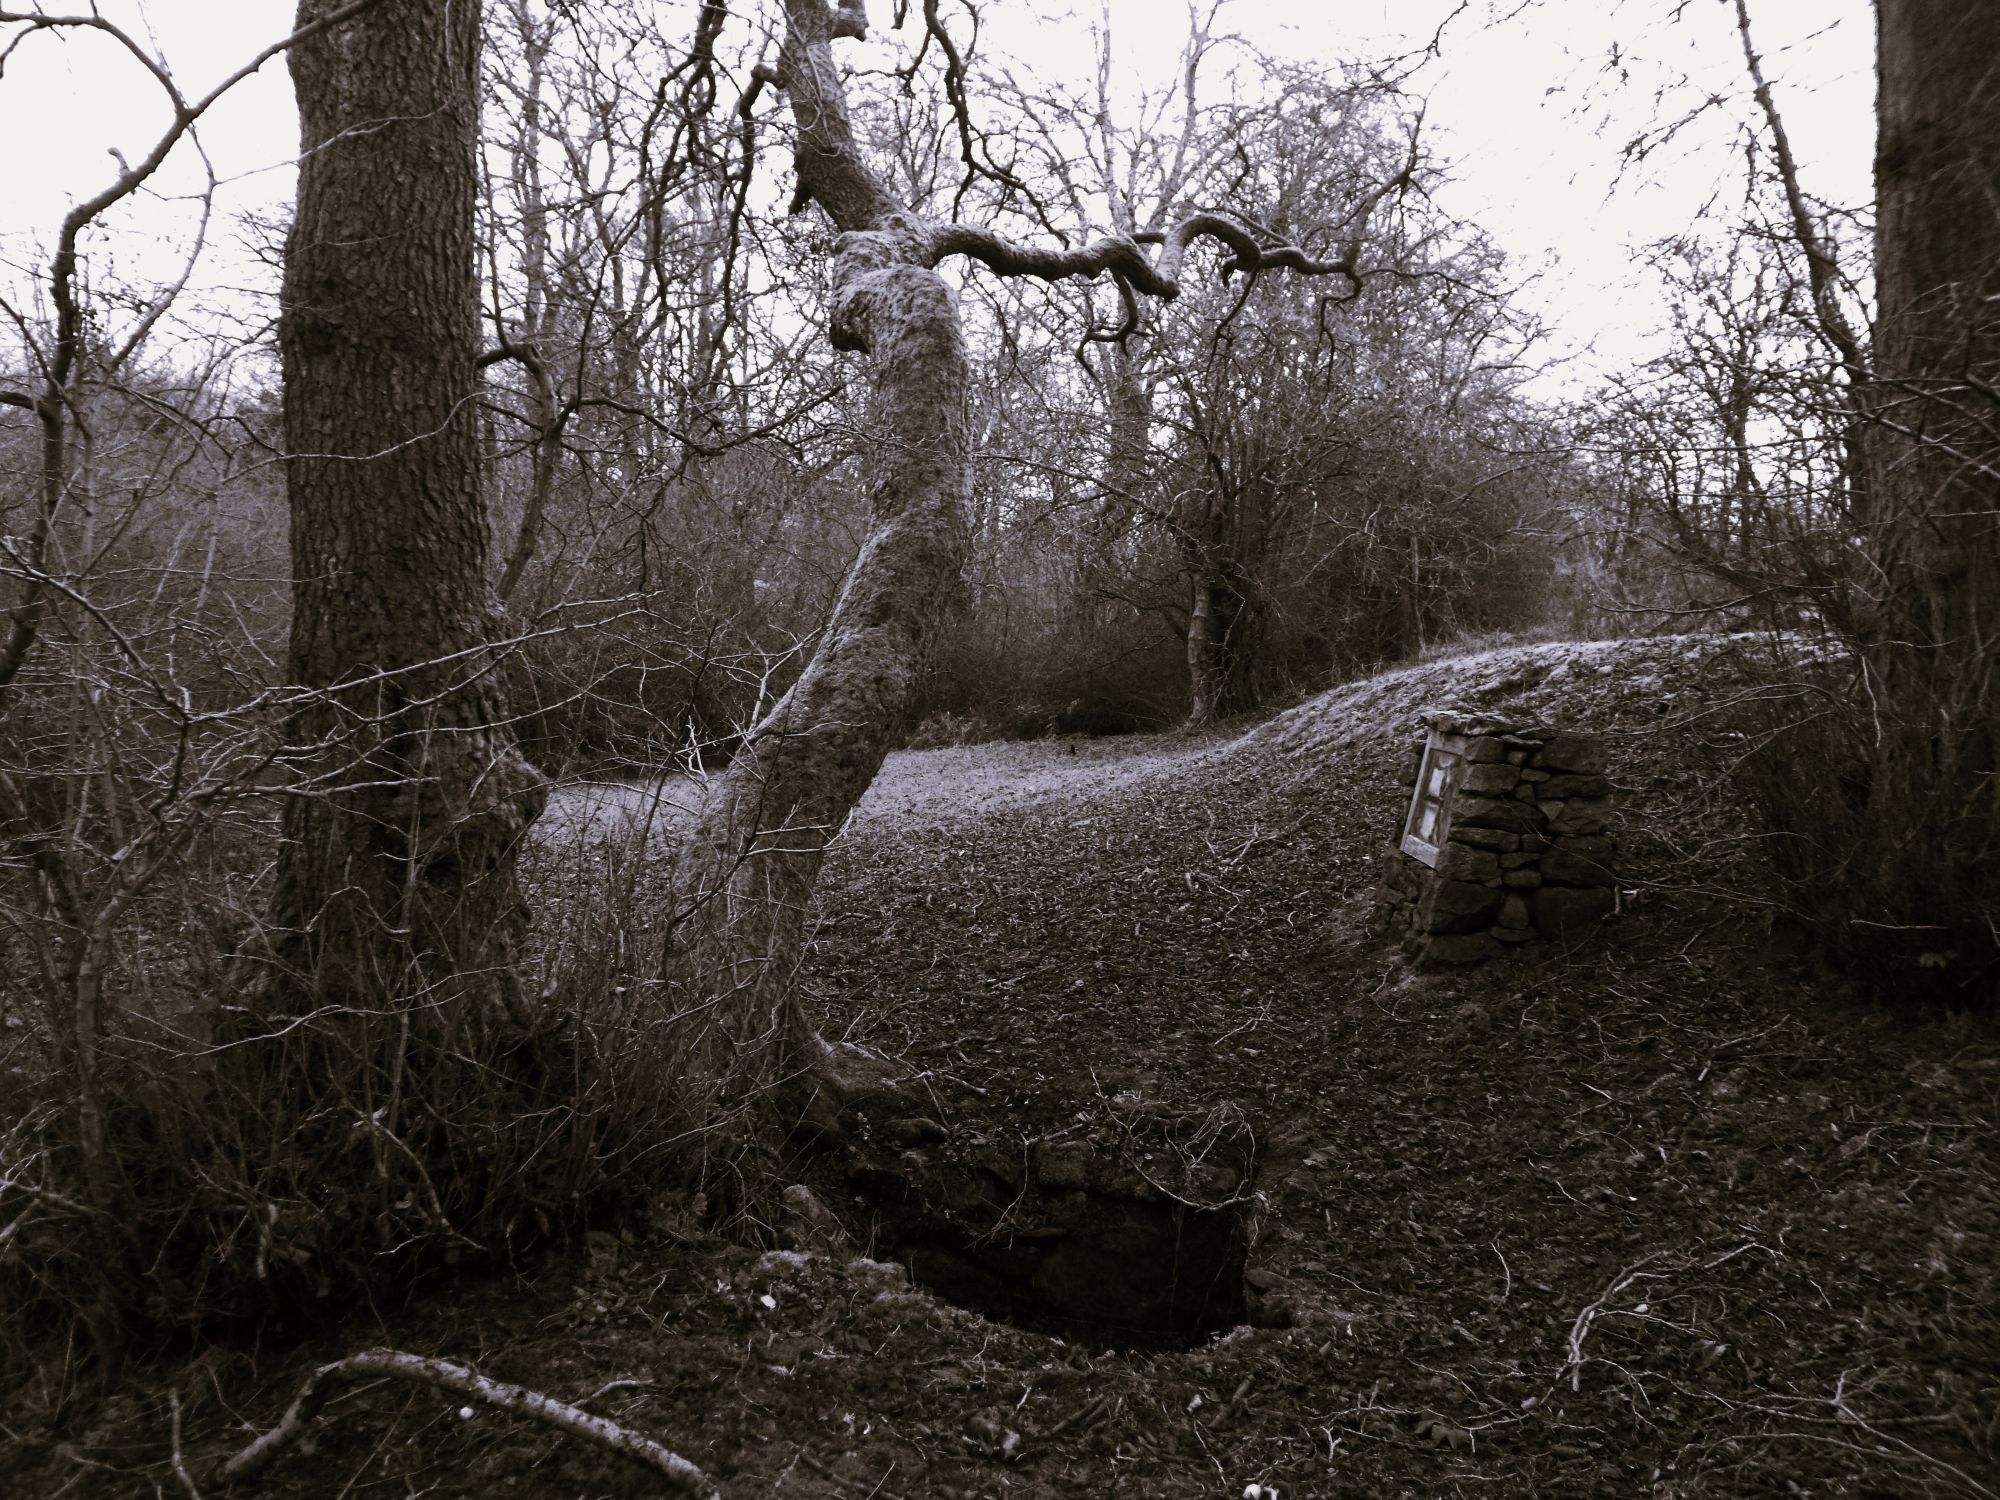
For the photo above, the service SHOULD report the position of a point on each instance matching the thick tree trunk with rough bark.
(1936, 504)
(1933, 502)
(396, 887)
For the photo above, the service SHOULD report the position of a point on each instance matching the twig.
(460, 1380)
(1847, 1413)
(179, 1462)
(1086, 1412)
(1228, 1409)
(1580, 1329)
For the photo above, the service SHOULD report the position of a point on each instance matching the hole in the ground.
(1072, 1238)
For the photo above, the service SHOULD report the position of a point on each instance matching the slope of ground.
(1648, 1216)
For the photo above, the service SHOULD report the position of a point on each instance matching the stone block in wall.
(1565, 752)
(1493, 779)
(1495, 812)
(1458, 862)
(1458, 906)
(1556, 788)
(1503, 842)
(1582, 815)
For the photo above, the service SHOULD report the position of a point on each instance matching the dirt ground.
(1651, 1215)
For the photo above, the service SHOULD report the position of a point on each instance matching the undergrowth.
(262, 1170)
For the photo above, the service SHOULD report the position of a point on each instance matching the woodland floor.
(1651, 1216)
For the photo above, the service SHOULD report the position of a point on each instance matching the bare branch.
(461, 1381)
(1121, 254)
(1821, 266)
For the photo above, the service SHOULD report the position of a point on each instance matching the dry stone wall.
(1513, 848)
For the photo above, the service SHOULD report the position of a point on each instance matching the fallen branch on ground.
(1580, 1329)
(460, 1380)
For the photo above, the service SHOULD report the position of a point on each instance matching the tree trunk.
(1221, 649)
(744, 878)
(396, 875)
(1933, 501)
(747, 872)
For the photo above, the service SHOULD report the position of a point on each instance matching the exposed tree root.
(462, 1381)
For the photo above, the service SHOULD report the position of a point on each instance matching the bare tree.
(747, 873)
(1839, 472)
(132, 709)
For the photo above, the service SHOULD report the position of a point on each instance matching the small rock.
(1063, 1164)
(808, 1224)
(882, 1274)
(914, 1130)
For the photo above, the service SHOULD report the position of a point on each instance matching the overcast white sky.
(1529, 108)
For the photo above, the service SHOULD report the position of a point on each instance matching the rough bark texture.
(1221, 637)
(1938, 333)
(1933, 507)
(396, 877)
(748, 870)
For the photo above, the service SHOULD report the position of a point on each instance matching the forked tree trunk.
(396, 890)
(1933, 506)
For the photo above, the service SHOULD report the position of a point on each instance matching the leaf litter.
(1655, 1214)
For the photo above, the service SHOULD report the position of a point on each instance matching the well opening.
(1130, 1228)
(1128, 1243)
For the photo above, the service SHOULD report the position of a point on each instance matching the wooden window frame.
(1437, 780)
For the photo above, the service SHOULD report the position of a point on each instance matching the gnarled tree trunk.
(746, 873)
